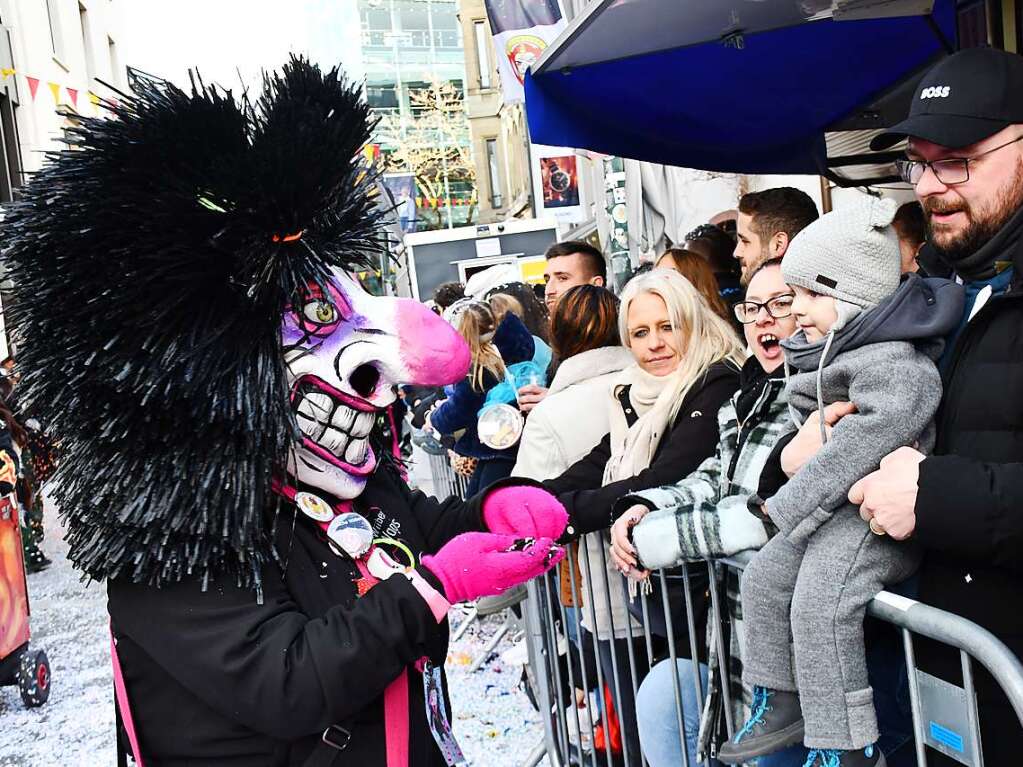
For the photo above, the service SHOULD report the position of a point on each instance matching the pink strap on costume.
(396, 729)
(122, 703)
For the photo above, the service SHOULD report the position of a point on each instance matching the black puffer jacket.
(969, 507)
(216, 678)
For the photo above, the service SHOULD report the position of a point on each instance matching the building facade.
(54, 54)
(500, 139)
(413, 60)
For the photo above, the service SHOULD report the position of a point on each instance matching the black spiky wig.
(152, 262)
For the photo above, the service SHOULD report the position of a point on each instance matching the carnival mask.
(345, 353)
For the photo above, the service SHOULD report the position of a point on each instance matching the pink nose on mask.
(433, 352)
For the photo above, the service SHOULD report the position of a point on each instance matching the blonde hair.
(477, 326)
(502, 303)
(701, 336)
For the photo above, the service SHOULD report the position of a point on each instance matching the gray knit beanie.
(851, 253)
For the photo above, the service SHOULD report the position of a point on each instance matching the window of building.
(10, 155)
(479, 30)
(115, 61)
(414, 16)
(90, 59)
(494, 174)
(382, 96)
(56, 33)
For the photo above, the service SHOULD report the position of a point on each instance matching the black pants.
(487, 472)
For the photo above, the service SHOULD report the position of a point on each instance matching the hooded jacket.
(883, 362)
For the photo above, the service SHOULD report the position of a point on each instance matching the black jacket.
(969, 508)
(693, 437)
(214, 677)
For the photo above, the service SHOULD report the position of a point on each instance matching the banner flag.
(33, 85)
(55, 90)
(73, 94)
(522, 30)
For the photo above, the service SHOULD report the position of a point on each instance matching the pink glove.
(474, 565)
(525, 512)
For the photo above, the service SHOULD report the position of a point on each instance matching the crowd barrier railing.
(944, 715)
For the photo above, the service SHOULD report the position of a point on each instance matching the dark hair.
(695, 268)
(716, 246)
(447, 293)
(594, 258)
(910, 224)
(585, 318)
(534, 312)
(783, 209)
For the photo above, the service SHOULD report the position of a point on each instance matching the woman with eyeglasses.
(705, 516)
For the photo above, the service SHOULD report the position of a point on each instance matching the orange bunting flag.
(55, 90)
(33, 85)
(73, 94)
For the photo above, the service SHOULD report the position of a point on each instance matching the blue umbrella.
(752, 86)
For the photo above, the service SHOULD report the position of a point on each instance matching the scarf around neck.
(654, 399)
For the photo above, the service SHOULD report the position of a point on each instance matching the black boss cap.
(963, 99)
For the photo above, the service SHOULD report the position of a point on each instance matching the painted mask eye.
(319, 312)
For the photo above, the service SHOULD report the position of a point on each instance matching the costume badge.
(314, 507)
(352, 533)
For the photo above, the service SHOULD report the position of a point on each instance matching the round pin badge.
(314, 507)
(352, 533)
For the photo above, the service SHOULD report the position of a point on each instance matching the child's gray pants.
(823, 584)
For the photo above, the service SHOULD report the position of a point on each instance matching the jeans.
(655, 712)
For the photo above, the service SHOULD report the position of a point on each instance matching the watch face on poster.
(560, 181)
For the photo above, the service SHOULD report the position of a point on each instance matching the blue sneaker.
(870, 756)
(776, 722)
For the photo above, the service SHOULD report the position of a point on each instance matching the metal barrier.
(944, 715)
(445, 482)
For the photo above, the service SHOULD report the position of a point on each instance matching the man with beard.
(767, 222)
(964, 503)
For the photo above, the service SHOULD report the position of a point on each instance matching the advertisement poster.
(560, 181)
(557, 183)
(401, 187)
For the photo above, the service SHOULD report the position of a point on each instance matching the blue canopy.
(748, 87)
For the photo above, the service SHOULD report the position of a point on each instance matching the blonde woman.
(663, 423)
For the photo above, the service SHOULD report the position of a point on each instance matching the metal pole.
(971, 709)
(673, 657)
(914, 698)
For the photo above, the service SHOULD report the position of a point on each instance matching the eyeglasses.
(950, 171)
(778, 307)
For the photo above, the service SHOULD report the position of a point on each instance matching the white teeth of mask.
(356, 452)
(334, 441)
(343, 418)
(322, 404)
(308, 421)
(363, 425)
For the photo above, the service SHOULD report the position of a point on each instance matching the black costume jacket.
(214, 677)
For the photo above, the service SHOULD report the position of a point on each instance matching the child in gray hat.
(867, 338)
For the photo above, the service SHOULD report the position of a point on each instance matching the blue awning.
(748, 87)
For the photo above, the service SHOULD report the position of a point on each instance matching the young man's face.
(565, 272)
(814, 313)
(963, 217)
